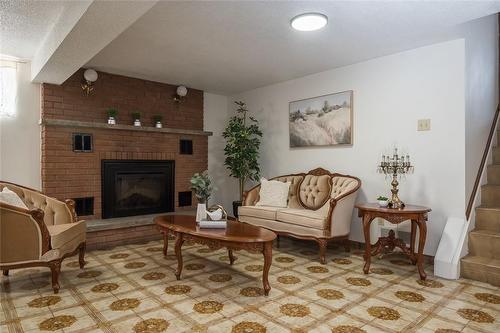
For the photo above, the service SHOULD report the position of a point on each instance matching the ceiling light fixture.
(309, 21)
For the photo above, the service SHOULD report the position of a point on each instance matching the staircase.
(483, 261)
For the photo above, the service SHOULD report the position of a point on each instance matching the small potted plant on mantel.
(202, 186)
(137, 118)
(383, 201)
(157, 120)
(112, 116)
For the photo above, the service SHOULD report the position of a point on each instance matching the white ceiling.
(24, 25)
(229, 47)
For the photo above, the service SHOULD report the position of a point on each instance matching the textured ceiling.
(24, 25)
(229, 47)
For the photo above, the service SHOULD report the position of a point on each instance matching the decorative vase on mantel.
(137, 123)
(111, 121)
(158, 125)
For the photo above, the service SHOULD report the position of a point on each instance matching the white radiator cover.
(447, 259)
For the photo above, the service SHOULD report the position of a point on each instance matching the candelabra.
(395, 165)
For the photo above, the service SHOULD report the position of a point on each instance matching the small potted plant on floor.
(242, 136)
(383, 201)
(137, 118)
(112, 116)
(202, 186)
(157, 121)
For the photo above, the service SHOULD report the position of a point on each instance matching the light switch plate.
(424, 125)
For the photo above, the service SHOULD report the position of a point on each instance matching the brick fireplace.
(68, 115)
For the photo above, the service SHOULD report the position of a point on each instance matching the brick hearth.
(69, 174)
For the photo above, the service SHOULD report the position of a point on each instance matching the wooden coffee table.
(237, 236)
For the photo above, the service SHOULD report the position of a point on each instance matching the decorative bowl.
(216, 215)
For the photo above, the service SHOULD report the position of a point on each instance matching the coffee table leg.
(178, 244)
(268, 257)
(422, 234)
(231, 256)
(165, 242)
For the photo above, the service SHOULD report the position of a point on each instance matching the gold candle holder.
(395, 166)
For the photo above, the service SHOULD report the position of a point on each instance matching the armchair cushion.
(303, 217)
(263, 212)
(67, 235)
(11, 198)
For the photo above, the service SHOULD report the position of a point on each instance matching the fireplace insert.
(137, 187)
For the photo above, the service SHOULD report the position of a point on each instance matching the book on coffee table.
(213, 224)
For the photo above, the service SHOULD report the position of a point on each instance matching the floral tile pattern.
(133, 289)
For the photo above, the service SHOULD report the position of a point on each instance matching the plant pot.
(201, 212)
(383, 203)
(137, 123)
(236, 204)
(158, 125)
(111, 121)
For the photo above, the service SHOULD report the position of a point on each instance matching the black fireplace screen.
(131, 187)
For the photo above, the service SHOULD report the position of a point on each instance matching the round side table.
(418, 216)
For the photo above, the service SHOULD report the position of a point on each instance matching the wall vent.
(84, 206)
(185, 198)
(82, 142)
(186, 147)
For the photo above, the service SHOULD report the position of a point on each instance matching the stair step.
(490, 195)
(484, 243)
(493, 172)
(481, 269)
(496, 154)
(488, 218)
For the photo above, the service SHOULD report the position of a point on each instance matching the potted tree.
(242, 136)
(202, 186)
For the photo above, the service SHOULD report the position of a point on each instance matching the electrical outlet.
(424, 125)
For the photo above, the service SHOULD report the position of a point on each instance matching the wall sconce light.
(89, 76)
(181, 92)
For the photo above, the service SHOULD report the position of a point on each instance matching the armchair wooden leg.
(347, 245)
(81, 255)
(322, 250)
(5, 272)
(55, 268)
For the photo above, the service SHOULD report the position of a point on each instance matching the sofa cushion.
(11, 198)
(314, 191)
(273, 193)
(302, 217)
(62, 234)
(263, 212)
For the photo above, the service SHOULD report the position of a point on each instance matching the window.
(8, 88)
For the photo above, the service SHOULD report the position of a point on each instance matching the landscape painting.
(321, 121)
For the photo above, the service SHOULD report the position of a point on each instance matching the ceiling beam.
(83, 29)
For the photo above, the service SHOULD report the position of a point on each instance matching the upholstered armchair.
(42, 235)
(320, 206)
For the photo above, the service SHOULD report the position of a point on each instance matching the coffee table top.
(235, 231)
(408, 209)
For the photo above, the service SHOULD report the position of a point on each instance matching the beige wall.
(20, 135)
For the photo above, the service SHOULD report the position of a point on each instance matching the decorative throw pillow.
(11, 198)
(273, 193)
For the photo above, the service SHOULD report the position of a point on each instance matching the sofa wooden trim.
(322, 241)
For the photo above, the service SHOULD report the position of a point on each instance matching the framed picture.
(321, 121)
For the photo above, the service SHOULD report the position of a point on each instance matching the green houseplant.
(242, 135)
(137, 118)
(202, 186)
(112, 115)
(157, 120)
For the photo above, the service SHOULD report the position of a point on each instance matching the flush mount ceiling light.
(309, 21)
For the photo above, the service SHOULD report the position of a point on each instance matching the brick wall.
(68, 174)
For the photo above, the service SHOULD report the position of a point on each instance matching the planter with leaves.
(383, 201)
(157, 121)
(137, 118)
(112, 116)
(242, 135)
(202, 186)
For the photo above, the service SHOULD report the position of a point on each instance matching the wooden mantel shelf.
(87, 124)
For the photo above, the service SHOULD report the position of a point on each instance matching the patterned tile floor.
(133, 289)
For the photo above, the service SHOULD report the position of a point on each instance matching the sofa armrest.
(24, 235)
(340, 214)
(251, 197)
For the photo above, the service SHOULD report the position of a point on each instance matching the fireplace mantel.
(88, 124)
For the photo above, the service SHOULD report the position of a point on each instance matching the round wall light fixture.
(89, 77)
(309, 21)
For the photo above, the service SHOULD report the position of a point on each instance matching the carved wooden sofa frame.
(36, 216)
(324, 239)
